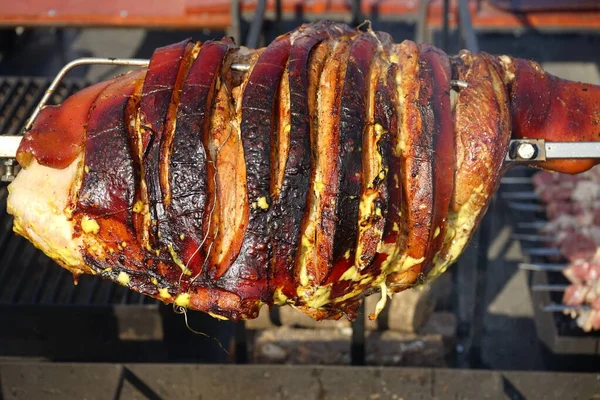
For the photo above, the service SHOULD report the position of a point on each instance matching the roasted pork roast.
(333, 164)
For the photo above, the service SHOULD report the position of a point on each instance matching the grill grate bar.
(6, 99)
(46, 267)
(14, 246)
(25, 261)
(11, 111)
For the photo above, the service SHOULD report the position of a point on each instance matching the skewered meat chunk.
(337, 165)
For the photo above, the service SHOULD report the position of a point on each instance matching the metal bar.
(519, 196)
(36, 95)
(93, 290)
(23, 271)
(562, 308)
(357, 348)
(481, 283)
(356, 12)
(531, 238)
(526, 206)
(422, 32)
(132, 62)
(564, 150)
(57, 285)
(18, 98)
(466, 27)
(37, 293)
(543, 252)
(543, 267)
(10, 95)
(515, 180)
(532, 225)
(256, 24)
(235, 30)
(445, 25)
(549, 288)
(9, 146)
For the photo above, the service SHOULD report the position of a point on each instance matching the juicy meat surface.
(338, 164)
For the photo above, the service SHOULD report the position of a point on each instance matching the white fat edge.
(460, 228)
(382, 301)
(506, 62)
(38, 199)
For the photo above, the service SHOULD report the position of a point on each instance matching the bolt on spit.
(9, 170)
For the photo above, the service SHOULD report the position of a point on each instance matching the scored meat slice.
(329, 165)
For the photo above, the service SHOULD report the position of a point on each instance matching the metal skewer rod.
(543, 267)
(543, 251)
(549, 288)
(531, 237)
(129, 62)
(532, 225)
(526, 206)
(515, 180)
(562, 307)
(519, 195)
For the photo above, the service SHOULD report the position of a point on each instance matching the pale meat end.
(39, 199)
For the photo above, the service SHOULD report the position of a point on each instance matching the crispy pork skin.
(336, 164)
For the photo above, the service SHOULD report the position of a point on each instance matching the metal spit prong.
(544, 251)
(458, 84)
(240, 67)
(543, 267)
(519, 195)
(563, 307)
(132, 62)
(549, 288)
(531, 237)
(526, 206)
(515, 180)
(532, 225)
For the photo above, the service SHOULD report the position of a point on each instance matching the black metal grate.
(27, 276)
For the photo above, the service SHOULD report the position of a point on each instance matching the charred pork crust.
(188, 160)
(294, 146)
(353, 116)
(108, 181)
(164, 74)
(249, 274)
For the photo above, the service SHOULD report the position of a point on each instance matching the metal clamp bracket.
(535, 150)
